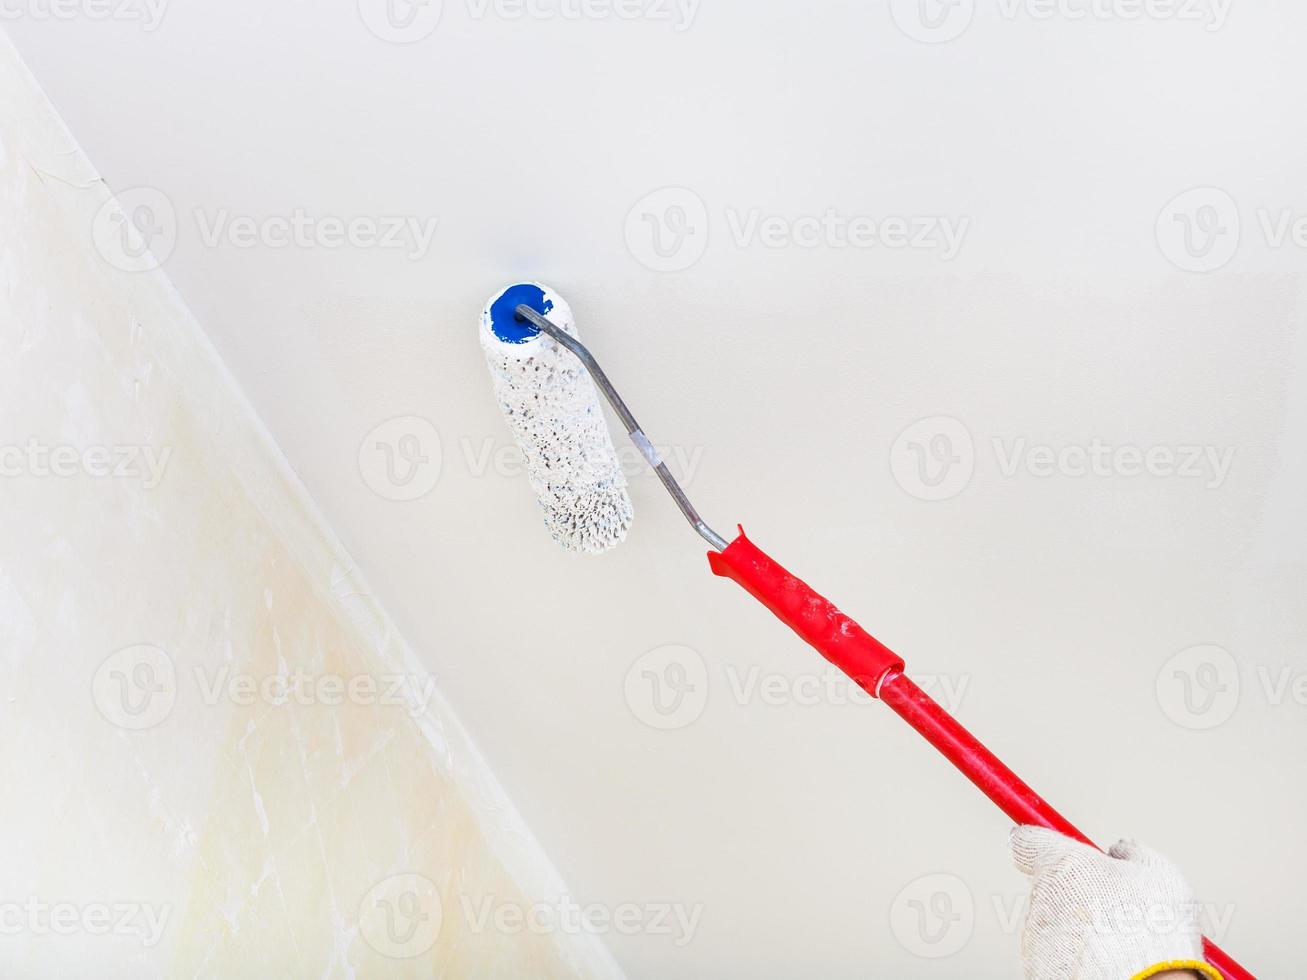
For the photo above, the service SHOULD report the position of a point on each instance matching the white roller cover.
(553, 410)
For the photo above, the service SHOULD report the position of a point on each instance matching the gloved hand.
(1124, 915)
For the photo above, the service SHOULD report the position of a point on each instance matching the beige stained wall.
(168, 809)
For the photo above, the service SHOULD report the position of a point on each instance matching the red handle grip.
(836, 637)
(879, 671)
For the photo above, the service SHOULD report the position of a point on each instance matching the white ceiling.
(785, 375)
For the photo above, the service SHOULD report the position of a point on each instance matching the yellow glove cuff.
(1198, 966)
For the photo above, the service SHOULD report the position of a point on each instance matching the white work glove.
(1124, 915)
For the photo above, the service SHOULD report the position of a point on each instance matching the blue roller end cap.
(503, 316)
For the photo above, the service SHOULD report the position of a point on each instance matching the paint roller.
(548, 383)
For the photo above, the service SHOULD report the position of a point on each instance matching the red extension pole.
(879, 671)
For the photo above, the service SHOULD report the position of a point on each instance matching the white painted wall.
(788, 375)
